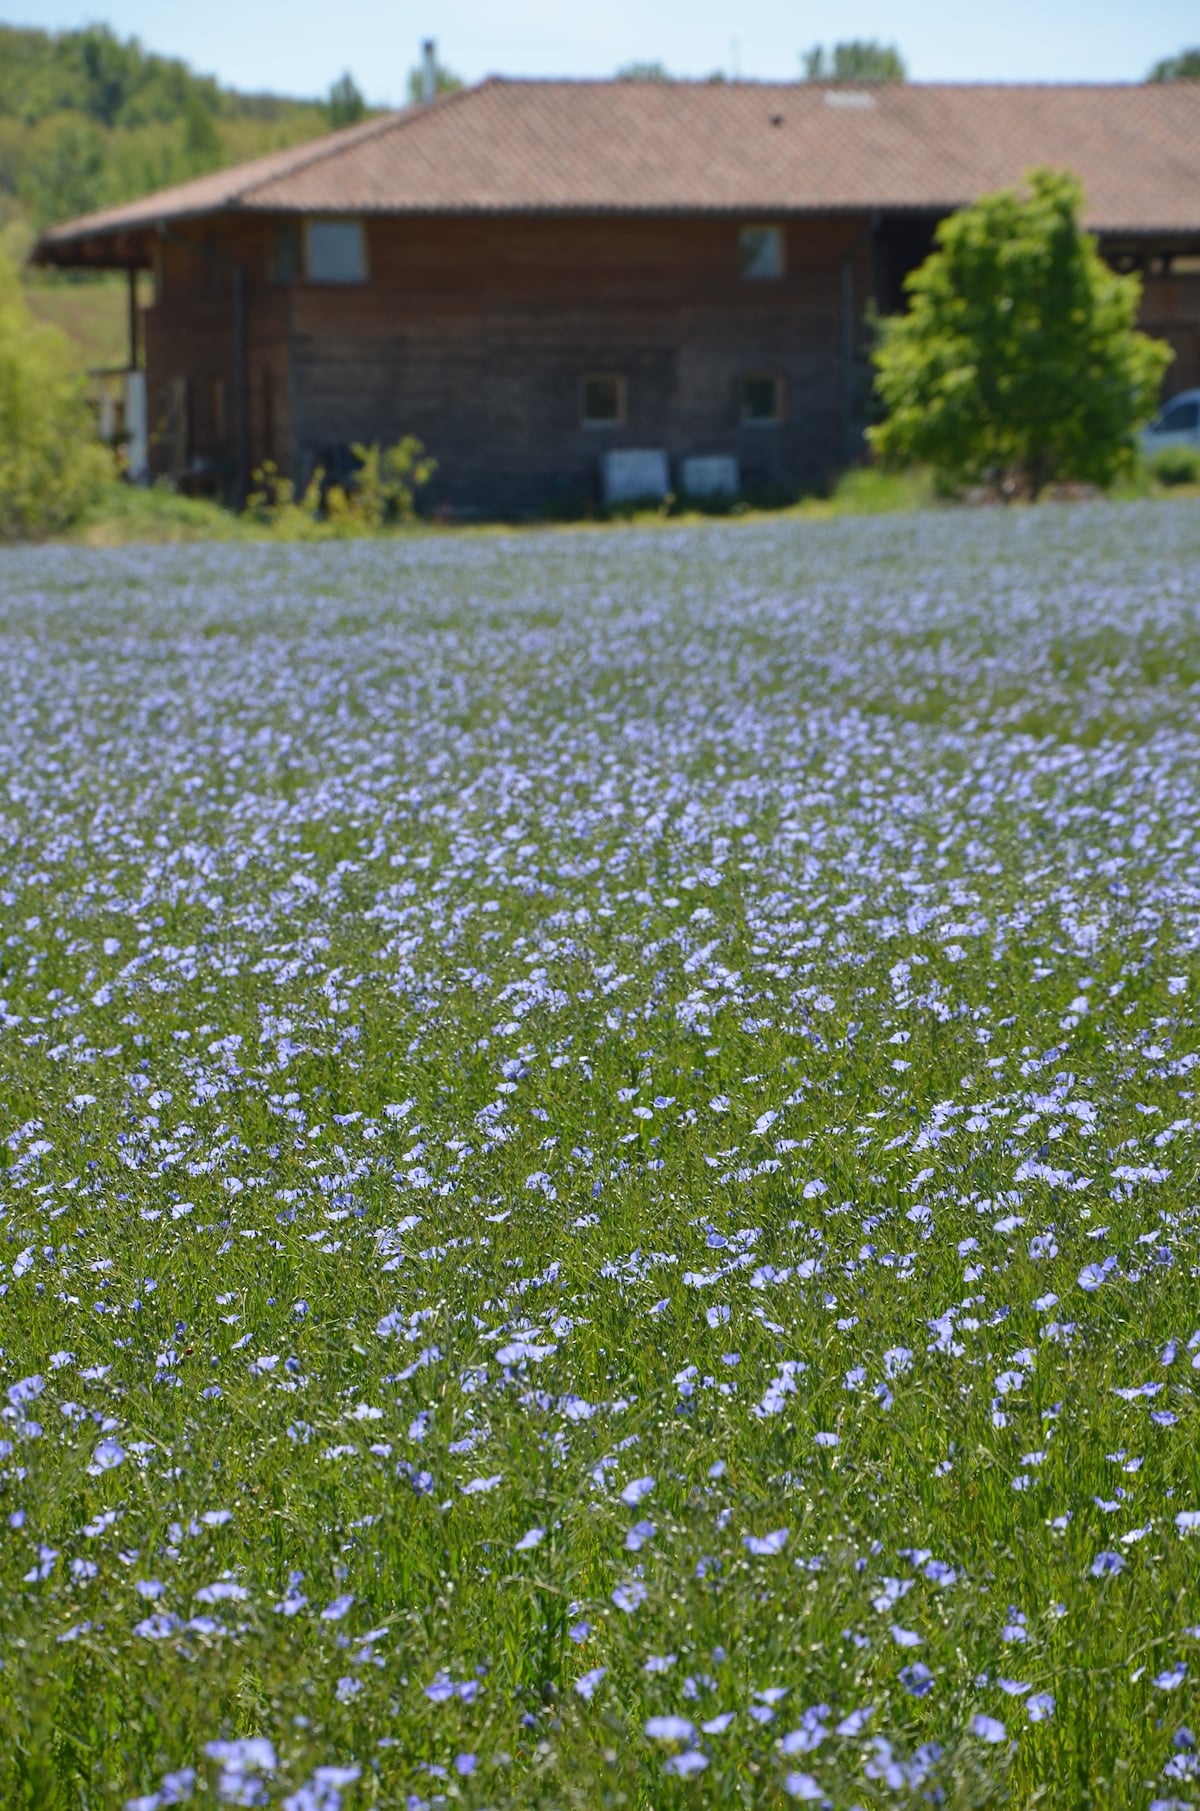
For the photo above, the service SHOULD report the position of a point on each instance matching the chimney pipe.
(428, 71)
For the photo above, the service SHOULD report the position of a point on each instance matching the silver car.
(1176, 424)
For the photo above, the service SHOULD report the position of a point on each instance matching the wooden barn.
(568, 289)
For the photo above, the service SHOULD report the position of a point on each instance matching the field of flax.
(600, 1200)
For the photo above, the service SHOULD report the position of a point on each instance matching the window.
(602, 402)
(1184, 418)
(762, 401)
(335, 251)
(760, 253)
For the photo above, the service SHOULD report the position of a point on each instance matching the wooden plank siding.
(475, 332)
(475, 335)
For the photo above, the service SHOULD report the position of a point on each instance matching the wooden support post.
(134, 347)
(849, 447)
(241, 386)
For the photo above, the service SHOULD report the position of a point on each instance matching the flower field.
(600, 1198)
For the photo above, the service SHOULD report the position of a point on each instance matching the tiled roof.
(745, 147)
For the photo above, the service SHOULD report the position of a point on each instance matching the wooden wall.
(475, 334)
(1171, 311)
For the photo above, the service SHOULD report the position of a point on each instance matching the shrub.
(51, 467)
(1018, 363)
(1177, 465)
(383, 492)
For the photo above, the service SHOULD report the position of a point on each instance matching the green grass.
(437, 973)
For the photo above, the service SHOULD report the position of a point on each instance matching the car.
(1177, 424)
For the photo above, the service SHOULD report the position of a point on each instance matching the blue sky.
(299, 46)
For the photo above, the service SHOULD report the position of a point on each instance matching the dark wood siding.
(475, 333)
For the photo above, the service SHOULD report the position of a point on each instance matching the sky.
(300, 46)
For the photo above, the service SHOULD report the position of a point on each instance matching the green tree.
(860, 60)
(1182, 68)
(643, 72)
(201, 141)
(1018, 361)
(346, 103)
(51, 468)
(445, 82)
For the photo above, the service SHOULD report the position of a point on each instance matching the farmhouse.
(571, 287)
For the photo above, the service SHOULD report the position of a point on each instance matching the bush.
(382, 493)
(1018, 364)
(52, 470)
(1176, 465)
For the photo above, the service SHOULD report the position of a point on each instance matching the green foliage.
(644, 72)
(346, 103)
(860, 60)
(1177, 465)
(1182, 68)
(445, 82)
(383, 494)
(51, 469)
(1018, 363)
(87, 120)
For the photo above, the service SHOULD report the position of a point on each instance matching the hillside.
(88, 119)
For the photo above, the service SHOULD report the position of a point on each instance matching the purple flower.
(1106, 1564)
(587, 1685)
(670, 1729)
(764, 1545)
(917, 1679)
(627, 1597)
(636, 1492)
(988, 1729)
(684, 1765)
(1040, 1707)
(802, 1786)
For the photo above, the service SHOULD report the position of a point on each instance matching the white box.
(710, 475)
(633, 475)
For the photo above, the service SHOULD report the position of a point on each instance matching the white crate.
(633, 475)
(710, 475)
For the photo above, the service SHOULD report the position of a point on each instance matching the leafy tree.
(1182, 68)
(445, 82)
(860, 60)
(51, 468)
(201, 141)
(346, 103)
(644, 72)
(1018, 361)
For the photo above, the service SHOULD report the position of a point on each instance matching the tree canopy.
(1018, 362)
(859, 60)
(1184, 67)
(51, 468)
(346, 103)
(445, 82)
(643, 72)
(88, 119)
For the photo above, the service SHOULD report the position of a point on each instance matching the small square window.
(760, 253)
(762, 400)
(602, 402)
(335, 251)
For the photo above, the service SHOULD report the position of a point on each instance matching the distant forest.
(88, 119)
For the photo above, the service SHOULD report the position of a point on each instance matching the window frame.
(779, 386)
(1184, 405)
(327, 282)
(598, 423)
(776, 229)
